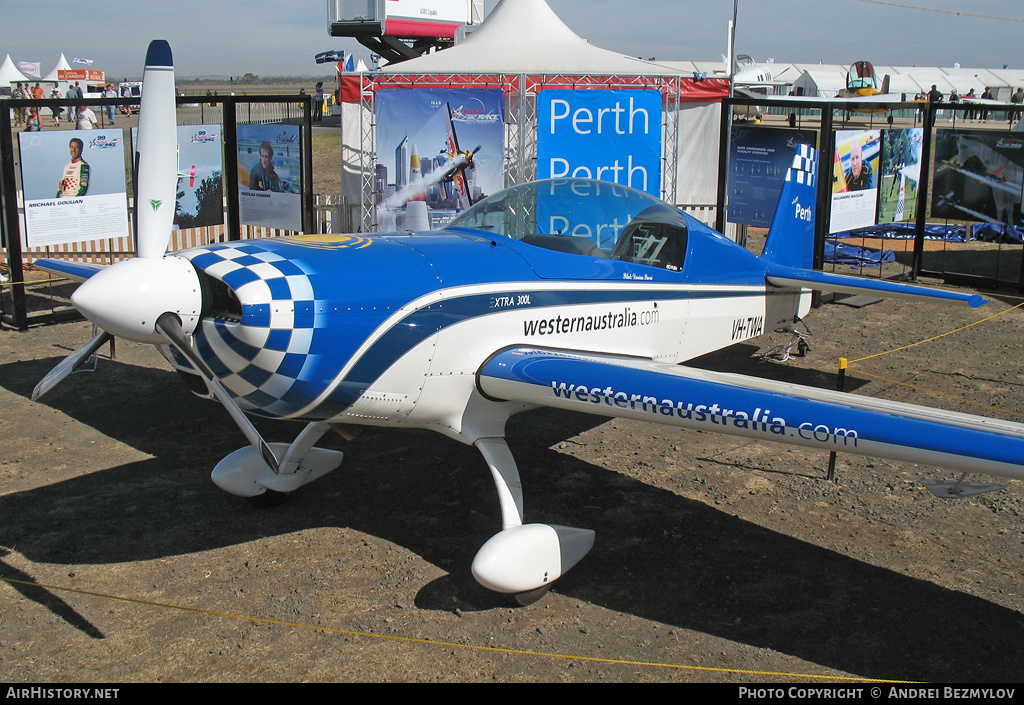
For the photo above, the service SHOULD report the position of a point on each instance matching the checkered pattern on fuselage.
(263, 360)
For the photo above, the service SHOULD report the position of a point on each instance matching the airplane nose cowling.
(127, 298)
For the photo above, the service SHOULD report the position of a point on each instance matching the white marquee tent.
(62, 65)
(525, 38)
(826, 80)
(9, 73)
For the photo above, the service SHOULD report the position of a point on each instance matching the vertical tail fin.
(790, 239)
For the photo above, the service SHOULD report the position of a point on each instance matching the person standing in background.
(19, 113)
(86, 118)
(109, 92)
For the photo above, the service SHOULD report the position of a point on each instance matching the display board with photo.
(200, 171)
(270, 176)
(854, 179)
(899, 174)
(978, 175)
(419, 132)
(74, 186)
(759, 158)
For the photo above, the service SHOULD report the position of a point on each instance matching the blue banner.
(611, 135)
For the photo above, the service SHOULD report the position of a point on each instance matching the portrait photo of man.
(858, 176)
(263, 176)
(270, 176)
(74, 180)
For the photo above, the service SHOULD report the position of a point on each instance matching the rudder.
(790, 238)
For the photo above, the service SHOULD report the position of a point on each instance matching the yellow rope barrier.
(48, 280)
(844, 365)
(450, 645)
(937, 393)
(941, 335)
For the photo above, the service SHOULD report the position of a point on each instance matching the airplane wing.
(751, 407)
(76, 271)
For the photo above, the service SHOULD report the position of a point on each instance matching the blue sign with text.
(611, 135)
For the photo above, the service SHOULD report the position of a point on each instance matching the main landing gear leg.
(246, 474)
(523, 560)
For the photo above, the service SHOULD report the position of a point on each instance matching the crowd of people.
(973, 108)
(85, 118)
(82, 115)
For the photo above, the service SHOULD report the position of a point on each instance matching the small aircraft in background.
(861, 82)
(754, 80)
(513, 306)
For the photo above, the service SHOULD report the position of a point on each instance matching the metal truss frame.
(520, 118)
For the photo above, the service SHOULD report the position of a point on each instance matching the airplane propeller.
(69, 364)
(153, 298)
(169, 325)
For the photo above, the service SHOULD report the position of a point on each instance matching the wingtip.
(159, 53)
(976, 301)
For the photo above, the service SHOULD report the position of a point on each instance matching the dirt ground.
(716, 559)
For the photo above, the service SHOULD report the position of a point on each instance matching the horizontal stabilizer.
(778, 275)
(752, 407)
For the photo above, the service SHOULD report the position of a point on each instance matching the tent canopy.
(62, 65)
(9, 73)
(527, 37)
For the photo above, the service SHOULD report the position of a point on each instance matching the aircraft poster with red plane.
(422, 135)
(978, 176)
(200, 172)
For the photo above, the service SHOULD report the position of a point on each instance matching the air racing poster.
(74, 186)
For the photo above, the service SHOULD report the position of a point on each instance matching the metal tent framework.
(521, 91)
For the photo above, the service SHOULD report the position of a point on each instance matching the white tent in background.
(526, 36)
(62, 65)
(9, 73)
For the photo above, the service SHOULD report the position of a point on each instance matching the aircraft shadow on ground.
(658, 556)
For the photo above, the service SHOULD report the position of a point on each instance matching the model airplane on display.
(511, 307)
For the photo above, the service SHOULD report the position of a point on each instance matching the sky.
(272, 38)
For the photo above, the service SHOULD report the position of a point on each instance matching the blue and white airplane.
(513, 306)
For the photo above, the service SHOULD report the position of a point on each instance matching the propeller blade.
(69, 364)
(169, 325)
(157, 152)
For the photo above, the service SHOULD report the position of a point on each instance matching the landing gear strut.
(523, 560)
